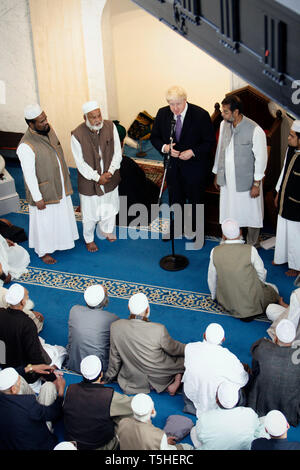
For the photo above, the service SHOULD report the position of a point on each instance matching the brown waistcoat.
(46, 148)
(90, 143)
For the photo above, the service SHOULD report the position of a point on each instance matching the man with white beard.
(97, 152)
(52, 224)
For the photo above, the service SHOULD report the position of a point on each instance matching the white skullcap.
(214, 333)
(8, 378)
(230, 229)
(138, 303)
(94, 295)
(90, 367)
(285, 331)
(32, 111)
(228, 394)
(90, 106)
(296, 126)
(15, 294)
(142, 404)
(65, 445)
(275, 423)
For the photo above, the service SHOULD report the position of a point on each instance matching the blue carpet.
(180, 300)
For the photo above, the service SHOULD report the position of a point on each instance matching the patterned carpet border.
(122, 289)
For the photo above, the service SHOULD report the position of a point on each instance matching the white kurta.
(14, 259)
(206, 366)
(287, 248)
(100, 210)
(247, 211)
(53, 228)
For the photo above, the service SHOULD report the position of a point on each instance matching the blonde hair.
(176, 92)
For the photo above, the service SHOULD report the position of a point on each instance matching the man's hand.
(40, 369)
(38, 315)
(171, 440)
(254, 192)
(40, 204)
(104, 178)
(216, 184)
(186, 155)
(60, 384)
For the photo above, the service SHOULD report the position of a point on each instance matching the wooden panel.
(60, 63)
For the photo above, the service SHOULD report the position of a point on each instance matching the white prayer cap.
(214, 333)
(285, 331)
(15, 294)
(90, 106)
(296, 126)
(275, 423)
(94, 295)
(142, 404)
(230, 229)
(32, 111)
(65, 445)
(228, 394)
(8, 378)
(90, 367)
(138, 303)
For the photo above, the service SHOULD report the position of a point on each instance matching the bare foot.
(91, 247)
(282, 303)
(111, 237)
(292, 273)
(48, 259)
(172, 389)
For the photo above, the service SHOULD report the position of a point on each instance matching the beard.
(43, 132)
(93, 128)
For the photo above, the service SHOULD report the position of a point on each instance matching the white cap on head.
(8, 378)
(230, 229)
(90, 367)
(94, 295)
(275, 423)
(90, 106)
(285, 331)
(32, 111)
(214, 333)
(228, 394)
(15, 294)
(142, 404)
(296, 126)
(65, 445)
(138, 303)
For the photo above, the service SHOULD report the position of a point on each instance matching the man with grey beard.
(97, 152)
(89, 329)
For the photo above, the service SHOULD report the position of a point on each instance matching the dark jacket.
(274, 444)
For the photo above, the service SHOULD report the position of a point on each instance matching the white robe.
(247, 211)
(206, 366)
(101, 210)
(53, 228)
(14, 259)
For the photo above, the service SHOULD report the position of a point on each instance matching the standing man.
(190, 153)
(52, 224)
(287, 200)
(97, 152)
(240, 163)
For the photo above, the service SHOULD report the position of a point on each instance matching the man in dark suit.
(277, 427)
(193, 140)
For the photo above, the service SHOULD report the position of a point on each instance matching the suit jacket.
(142, 354)
(197, 134)
(274, 444)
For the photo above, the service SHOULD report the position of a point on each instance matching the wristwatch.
(256, 184)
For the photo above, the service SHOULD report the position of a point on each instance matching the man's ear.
(84, 117)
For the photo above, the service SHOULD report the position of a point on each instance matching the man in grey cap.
(89, 328)
(52, 224)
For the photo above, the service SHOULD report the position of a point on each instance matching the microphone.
(173, 124)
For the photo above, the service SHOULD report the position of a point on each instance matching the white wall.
(17, 68)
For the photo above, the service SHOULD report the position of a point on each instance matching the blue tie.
(178, 128)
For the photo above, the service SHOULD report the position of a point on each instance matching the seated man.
(14, 260)
(236, 276)
(277, 427)
(230, 427)
(92, 410)
(142, 354)
(207, 364)
(89, 329)
(138, 432)
(275, 379)
(276, 313)
(24, 418)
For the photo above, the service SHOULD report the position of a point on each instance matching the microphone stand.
(172, 262)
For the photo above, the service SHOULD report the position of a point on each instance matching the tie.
(178, 128)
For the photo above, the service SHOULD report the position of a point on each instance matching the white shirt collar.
(234, 241)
